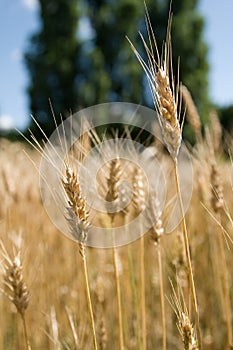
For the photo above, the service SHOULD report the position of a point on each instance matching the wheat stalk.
(101, 324)
(139, 202)
(160, 75)
(112, 196)
(157, 232)
(77, 216)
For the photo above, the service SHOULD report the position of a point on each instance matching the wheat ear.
(192, 113)
(184, 324)
(77, 216)
(15, 288)
(217, 132)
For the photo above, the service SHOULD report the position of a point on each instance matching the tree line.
(80, 56)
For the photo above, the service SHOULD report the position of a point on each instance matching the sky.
(19, 19)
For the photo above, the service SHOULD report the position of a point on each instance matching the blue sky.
(18, 20)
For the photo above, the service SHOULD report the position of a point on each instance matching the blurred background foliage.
(80, 56)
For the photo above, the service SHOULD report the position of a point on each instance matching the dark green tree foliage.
(113, 73)
(187, 44)
(226, 117)
(77, 71)
(52, 62)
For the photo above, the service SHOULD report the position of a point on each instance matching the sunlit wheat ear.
(159, 72)
(113, 179)
(179, 261)
(217, 199)
(115, 174)
(184, 323)
(139, 192)
(14, 286)
(216, 129)
(77, 216)
(192, 113)
(155, 214)
(77, 213)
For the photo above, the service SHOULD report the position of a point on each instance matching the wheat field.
(162, 291)
(57, 316)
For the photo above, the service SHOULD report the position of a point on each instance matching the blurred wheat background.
(57, 315)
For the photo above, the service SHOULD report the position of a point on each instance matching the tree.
(76, 72)
(52, 62)
(112, 73)
(226, 117)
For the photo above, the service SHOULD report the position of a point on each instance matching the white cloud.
(6, 122)
(31, 5)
